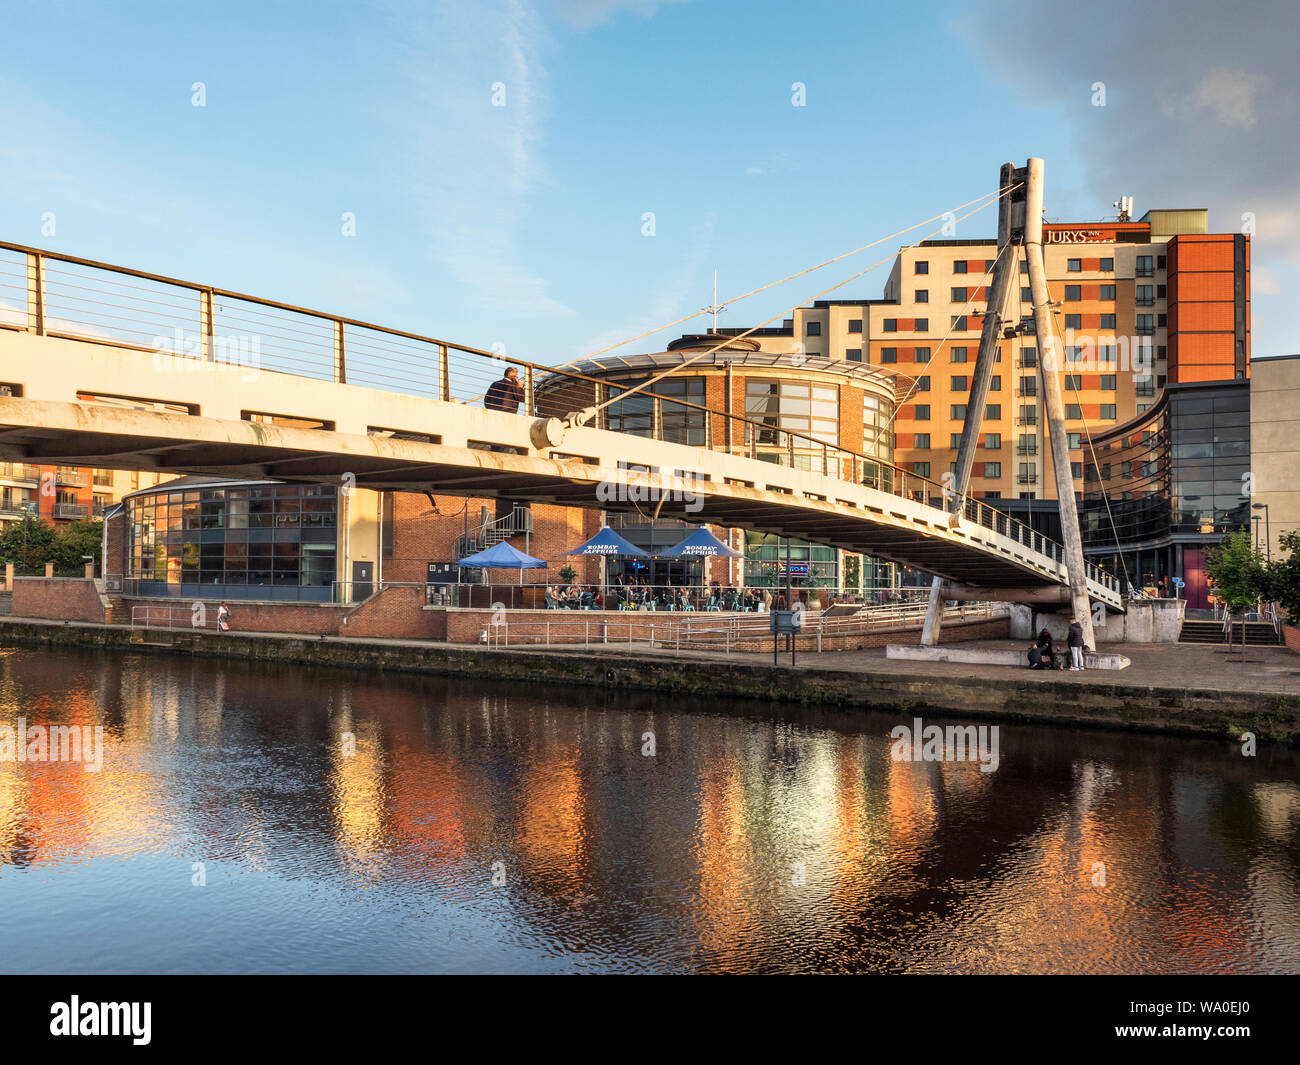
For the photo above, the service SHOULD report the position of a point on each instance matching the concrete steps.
(1258, 633)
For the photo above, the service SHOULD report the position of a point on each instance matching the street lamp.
(1256, 519)
(1268, 535)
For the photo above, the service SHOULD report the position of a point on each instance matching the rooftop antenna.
(1125, 207)
(715, 307)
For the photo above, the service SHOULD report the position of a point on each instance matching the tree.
(73, 543)
(27, 543)
(1282, 577)
(1238, 572)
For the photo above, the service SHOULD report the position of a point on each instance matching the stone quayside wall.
(1206, 712)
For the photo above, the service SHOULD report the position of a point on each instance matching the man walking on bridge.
(506, 394)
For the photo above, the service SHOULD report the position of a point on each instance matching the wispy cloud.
(584, 14)
(473, 118)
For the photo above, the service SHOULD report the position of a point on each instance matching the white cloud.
(584, 14)
(1229, 95)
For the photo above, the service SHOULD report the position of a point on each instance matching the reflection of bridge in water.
(110, 367)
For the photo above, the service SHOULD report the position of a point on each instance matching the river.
(251, 818)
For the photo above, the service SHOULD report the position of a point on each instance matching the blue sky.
(522, 225)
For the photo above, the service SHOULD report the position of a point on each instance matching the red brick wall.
(1292, 636)
(114, 561)
(395, 613)
(308, 618)
(59, 598)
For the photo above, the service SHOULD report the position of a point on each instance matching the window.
(853, 354)
(1029, 414)
(921, 354)
(792, 406)
(1160, 262)
(1146, 324)
(922, 266)
(1146, 385)
(954, 440)
(891, 325)
(921, 469)
(1162, 291)
(1076, 469)
(1107, 412)
(959, 383)
(1106, 292)
(888, 354)
(855, 325)
(1105, 353)
(1026, 295)
(1029, 386)
(1107, 267)
(1024, 266)
(959, 267)
(922, 325)
(1145, 296)
(1074, 382)
(1107, 321)
(1144, 266)
(1107, 382)
(992, 441)
(1028, 473)
(922, 412)
(959, 295)
(923, 384)
(1073, 412)
(959, 322)
(1074, 265)
(922, 295)
(814, 329)
(958, 412)
(1162, 320)
(1074, 293)
(995, 383)
(993, 412)
(1074, 441)
(1074, 353)
(1028, 357)
(992, 469)
(922, 440)
(1027, 444)
(958, 355)
(1074, 321)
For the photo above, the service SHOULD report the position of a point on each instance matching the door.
(363, 578)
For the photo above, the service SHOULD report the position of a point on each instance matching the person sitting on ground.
(1035, 657)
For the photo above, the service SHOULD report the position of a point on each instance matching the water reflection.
(343, 823)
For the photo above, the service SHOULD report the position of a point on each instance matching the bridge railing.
(54, 294)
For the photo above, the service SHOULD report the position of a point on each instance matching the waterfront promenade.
(1184, 689)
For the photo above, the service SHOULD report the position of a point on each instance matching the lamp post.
(1256, 519)
(1268, 535)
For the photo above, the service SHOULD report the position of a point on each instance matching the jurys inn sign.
(1075, 236)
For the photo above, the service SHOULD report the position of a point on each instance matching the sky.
(550, 177)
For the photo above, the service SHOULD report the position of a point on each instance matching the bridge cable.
(780, 314)
(782, 281)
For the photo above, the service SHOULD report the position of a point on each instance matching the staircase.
(490, 533)
(1258, 633)
(121, 613)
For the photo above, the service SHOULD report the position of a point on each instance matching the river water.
(251, 818)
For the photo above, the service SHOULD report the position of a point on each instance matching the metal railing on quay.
(726, 632)
(173, 616)
(55, 294)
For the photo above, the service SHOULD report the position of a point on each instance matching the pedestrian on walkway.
(1075, 643)
(223, 618)
(505, 394)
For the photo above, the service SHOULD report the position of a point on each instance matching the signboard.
(785, 622)
(441, 573)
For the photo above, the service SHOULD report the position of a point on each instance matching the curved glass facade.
(237, 541)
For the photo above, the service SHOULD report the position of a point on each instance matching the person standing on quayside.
(506, 394)
(1075, 643)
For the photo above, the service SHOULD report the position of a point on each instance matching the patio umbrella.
(700, 544)
(502, 556)
(607, 543)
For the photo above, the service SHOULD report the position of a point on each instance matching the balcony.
(19, 471)
(1026, 450)
(71, 511)
(73, 478)
(1027, 478)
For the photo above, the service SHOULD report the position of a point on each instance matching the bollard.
(49, 569)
